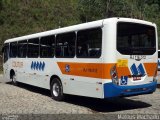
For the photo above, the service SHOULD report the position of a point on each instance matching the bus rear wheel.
(57, 90)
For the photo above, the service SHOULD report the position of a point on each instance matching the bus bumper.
(112, 90)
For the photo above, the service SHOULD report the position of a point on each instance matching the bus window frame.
(93, 57)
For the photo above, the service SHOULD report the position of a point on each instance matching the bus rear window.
(135, 39)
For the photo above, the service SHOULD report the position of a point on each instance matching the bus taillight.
(155, 77)
(114, 75)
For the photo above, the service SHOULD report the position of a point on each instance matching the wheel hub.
(55, 89)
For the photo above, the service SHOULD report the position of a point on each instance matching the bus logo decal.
(35, 65)
(137, 70)
(40, 65)
(43, 66)
(32, 65)
(67, 68)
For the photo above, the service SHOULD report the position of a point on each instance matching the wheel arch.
(12, 72)
(54, 76)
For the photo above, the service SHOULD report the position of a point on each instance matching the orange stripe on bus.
(93, 70)
(150, 68)
(123, 71)
(100, 70)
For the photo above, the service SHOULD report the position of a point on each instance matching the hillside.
(22, 17)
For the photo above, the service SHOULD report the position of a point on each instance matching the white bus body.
(120, 60)
(158, 59)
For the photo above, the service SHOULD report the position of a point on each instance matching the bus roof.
(78, 27)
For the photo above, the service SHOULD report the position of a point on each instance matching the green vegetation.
(22, 17)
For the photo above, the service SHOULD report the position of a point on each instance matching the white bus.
(158, 60)
(101, 59)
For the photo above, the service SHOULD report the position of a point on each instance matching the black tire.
(57, 90)
(14, 79)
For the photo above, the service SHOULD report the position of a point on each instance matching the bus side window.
(89, 43)
(13, 49)
(33, 48)
(47, 46)
(6, 52)
(22, 49)
(84, 50)
(65, 45)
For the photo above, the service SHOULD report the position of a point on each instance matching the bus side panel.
(79, 77)
(39, 71)
(6, 70)
(82, 88)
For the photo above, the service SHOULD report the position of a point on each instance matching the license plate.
(136, 78)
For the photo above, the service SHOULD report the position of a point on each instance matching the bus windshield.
(135, 39)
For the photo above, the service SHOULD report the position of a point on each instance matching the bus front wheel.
(14, 79)
(57, 90)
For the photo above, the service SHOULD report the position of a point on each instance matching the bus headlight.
(114, 75)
